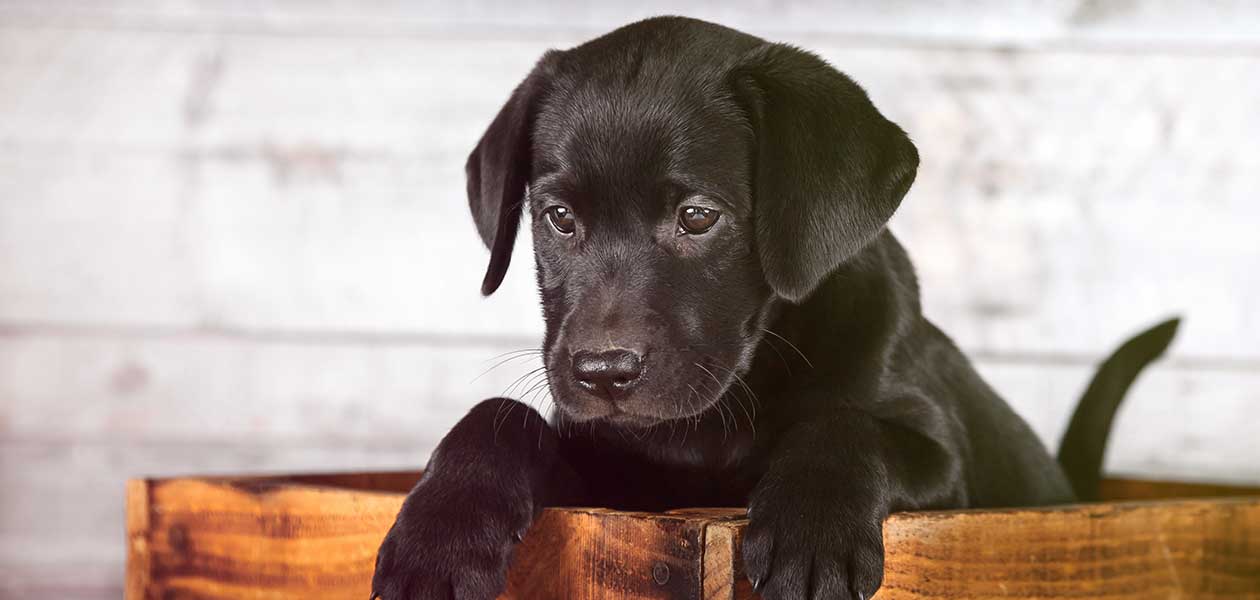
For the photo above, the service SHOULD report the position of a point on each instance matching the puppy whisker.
(498, 423)
(748, 391)
(752, 396)
(720, 405)
(532, 394)
(704, 387)
(790, 345)
(691, 406)
(507, 392)
(692, 417)
(515, 355)
(783, 359)
(515, 352)
(546, 418)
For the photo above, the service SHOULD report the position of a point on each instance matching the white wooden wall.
(233, 235)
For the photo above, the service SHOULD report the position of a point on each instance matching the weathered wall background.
(233, 235)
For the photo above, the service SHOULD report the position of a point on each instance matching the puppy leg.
(816, 517)
(486, 481)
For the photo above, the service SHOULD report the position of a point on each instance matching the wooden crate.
(315, 536)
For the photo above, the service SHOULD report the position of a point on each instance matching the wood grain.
(367, 394)
(1210, 24)
(274, 538)
(213, 539)
(1196, 549)
(1118, 489)
(1169, 549)
(139, 563)
(62, 502)
(1049, 181)
(269, 537)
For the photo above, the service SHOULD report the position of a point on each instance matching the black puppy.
(728, 324)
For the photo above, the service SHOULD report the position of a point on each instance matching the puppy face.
(652, 291)
(682, 179)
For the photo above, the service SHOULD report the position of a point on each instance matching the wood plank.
(380, 481)
(62, 531)
(211, 389)
(224, 540)
(1173, 549)
(139, 531)
(216, 540)
(1211, 23)
(724, 577)
(596, 553)
(723, 570)
(208, 390)
(1200, 549)
(205, 539)
(1050, 180)
(86, 580)
(371, 255)
(1112, 488)
(1141, 489)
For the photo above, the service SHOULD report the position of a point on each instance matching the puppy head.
(682, 178)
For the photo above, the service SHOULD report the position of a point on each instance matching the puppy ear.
(497, 173)
(829, 169)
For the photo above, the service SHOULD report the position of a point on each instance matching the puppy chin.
(605, 412)
(627, 420)
(586, 409)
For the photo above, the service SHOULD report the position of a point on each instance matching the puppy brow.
(549, 185)
(689, 187)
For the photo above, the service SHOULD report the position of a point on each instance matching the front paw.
(449, 544)
(796, 549)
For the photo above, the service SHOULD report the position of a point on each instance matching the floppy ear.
(829, 169)
(498, 171)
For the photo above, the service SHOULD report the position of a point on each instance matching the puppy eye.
(562, 219)
(695, 220)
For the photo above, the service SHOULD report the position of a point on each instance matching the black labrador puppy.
(728, 323)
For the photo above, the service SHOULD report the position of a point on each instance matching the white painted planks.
(1064, 199)
(1209, 24)
(195, 389)
(233, 235)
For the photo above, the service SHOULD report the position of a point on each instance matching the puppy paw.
(795, 551)
(447, 546)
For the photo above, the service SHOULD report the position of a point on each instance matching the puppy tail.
(1083, 445)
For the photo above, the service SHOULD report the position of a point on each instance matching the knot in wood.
(660, 573)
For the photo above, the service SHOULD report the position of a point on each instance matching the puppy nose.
(610, 373)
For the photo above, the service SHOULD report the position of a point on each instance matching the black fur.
(778, 361)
